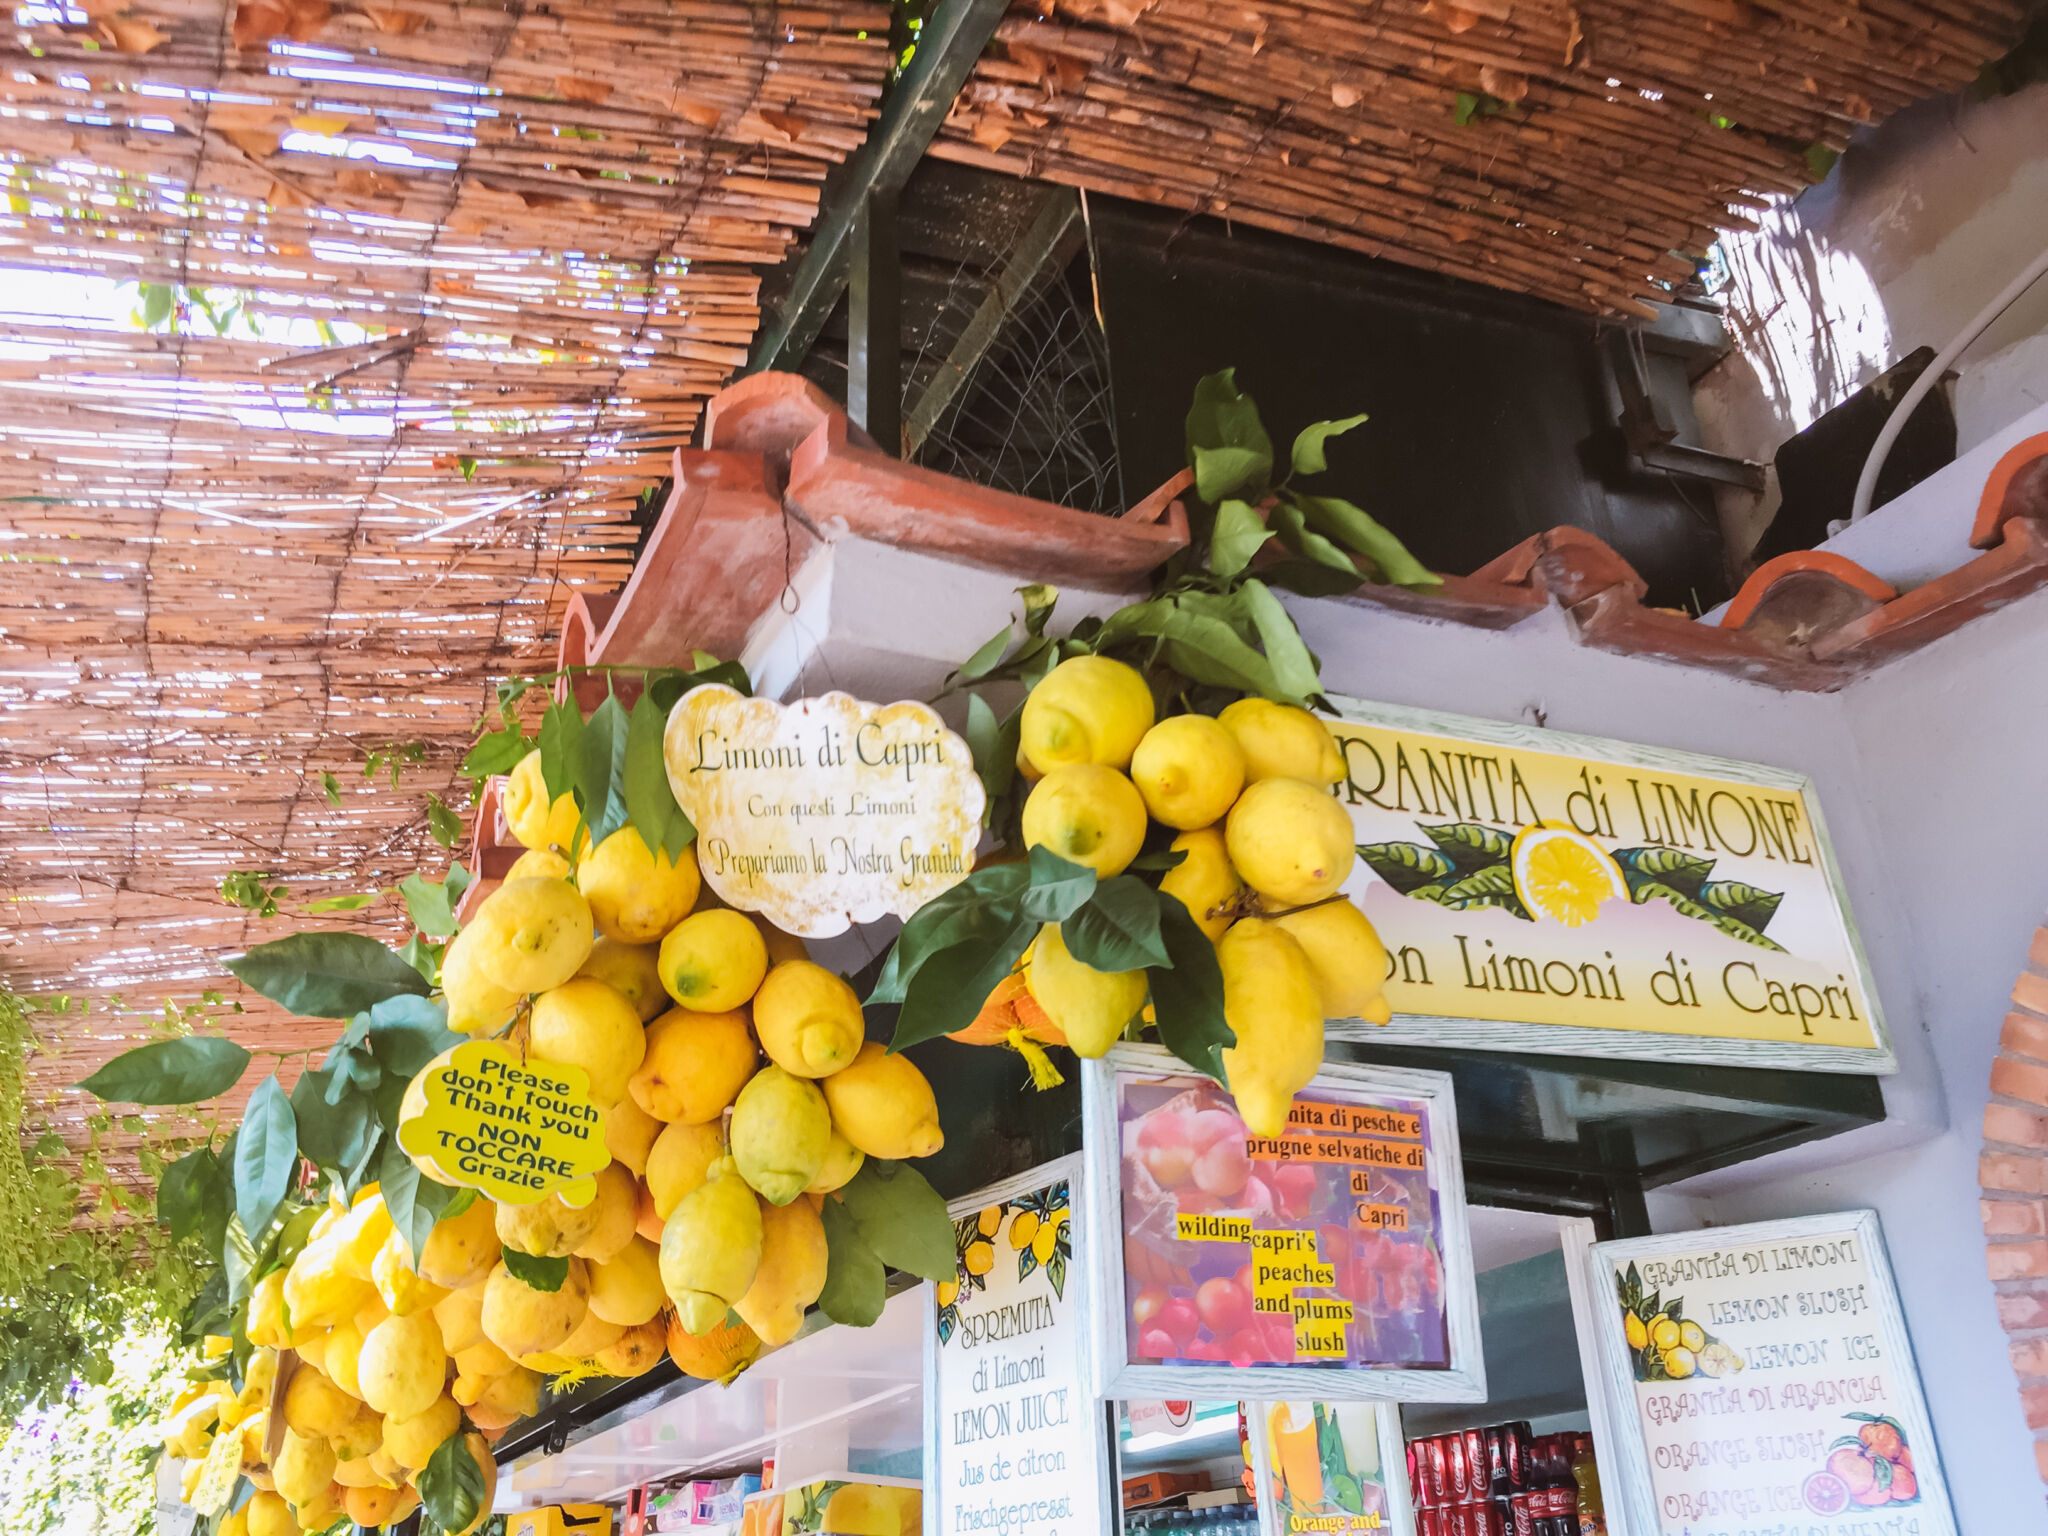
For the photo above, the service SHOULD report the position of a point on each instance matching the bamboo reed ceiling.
(445, 284)
(1604, 143)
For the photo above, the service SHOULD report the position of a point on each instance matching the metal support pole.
(1614, 1148)
(874, 323)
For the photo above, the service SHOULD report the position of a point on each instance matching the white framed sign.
(1762, 1378)
(1543, 891)
(1013, 1440)
(1339, 1469)
(1331, 1263)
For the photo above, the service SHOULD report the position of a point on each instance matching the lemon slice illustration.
(1563, 874)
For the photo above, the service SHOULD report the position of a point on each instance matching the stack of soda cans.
(1499, 1481)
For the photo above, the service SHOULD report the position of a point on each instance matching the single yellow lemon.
(476, 1004)
(696, 1064)
(842, 1162)
(584, 1023)
(779, 1134)
(626, 1289)
(1189, 769)
(1345, 952)
(884, 1106)
(791, 1273)
(711, 1247)
(549, 1228)
(523, 1321)
(540, 864)
(1087, 814)
(629, 1133)
(680, 1160)
(534, 819)
(1271, 1003)
(1561, 873)
(403, 1365)
(1291, 841)
(635, 894)
(631, 970)
(808, 1020)
(713, 961)
(1090, 1007)
(1088, 709)
(617, 1204)
(532, 934)
(1283, 741)
(1205, 881)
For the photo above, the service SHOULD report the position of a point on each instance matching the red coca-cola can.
(1457, 1520)
(1522, 1512)
(1458, 1481)
(1436, 1477)
(1429, 1520)
(1479, 1474)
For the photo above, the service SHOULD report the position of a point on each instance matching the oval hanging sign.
(517, 1128)
(825, 812)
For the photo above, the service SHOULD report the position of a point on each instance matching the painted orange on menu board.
(1318, 1247)
(1581, 886)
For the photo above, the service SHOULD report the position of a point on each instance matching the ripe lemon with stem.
(1561, 873)
(1088, 709)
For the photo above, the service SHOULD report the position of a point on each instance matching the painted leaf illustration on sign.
(519, 1129)
(825, 812)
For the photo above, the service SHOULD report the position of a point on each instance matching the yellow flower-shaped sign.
(824, 812)
(517, 1128)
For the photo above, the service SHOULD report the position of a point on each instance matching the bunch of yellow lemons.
(1266, 851)
(669, 1000)
(619, 962)
(368, 1401)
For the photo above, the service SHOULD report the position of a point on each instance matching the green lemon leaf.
(994, 745)
(1238, 535)
(1220, 416)
(1058, 889)
(417, 1202)
(1304, 541)
(1201, 642)
(451, 1484)
(1038, 604)
(1221, 473)
(334, 1134)
(266, 1155)
(189, 1191)
(355, 901)
(406, 1033)
(495, 752)
(985, 656)
(170, 1072)
(561, 728)
(984, 903)
(1295, 675)
(650, 803)
(1309, 443)
(1188, 998)
(326, 975)
(855, 1283)
(431, 903)
(951, 986)
(901, 1218)
(542, 1274)
(1117, 929)
(1356, 530)
(291, 1239)
(444, 825)
(600, 769)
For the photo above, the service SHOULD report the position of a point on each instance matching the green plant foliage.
(256, 893)
(70, 1293)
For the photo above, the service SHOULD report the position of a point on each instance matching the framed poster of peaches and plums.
(1330, 1262)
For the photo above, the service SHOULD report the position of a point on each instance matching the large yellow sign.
(1563, 884)
(825, 812)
